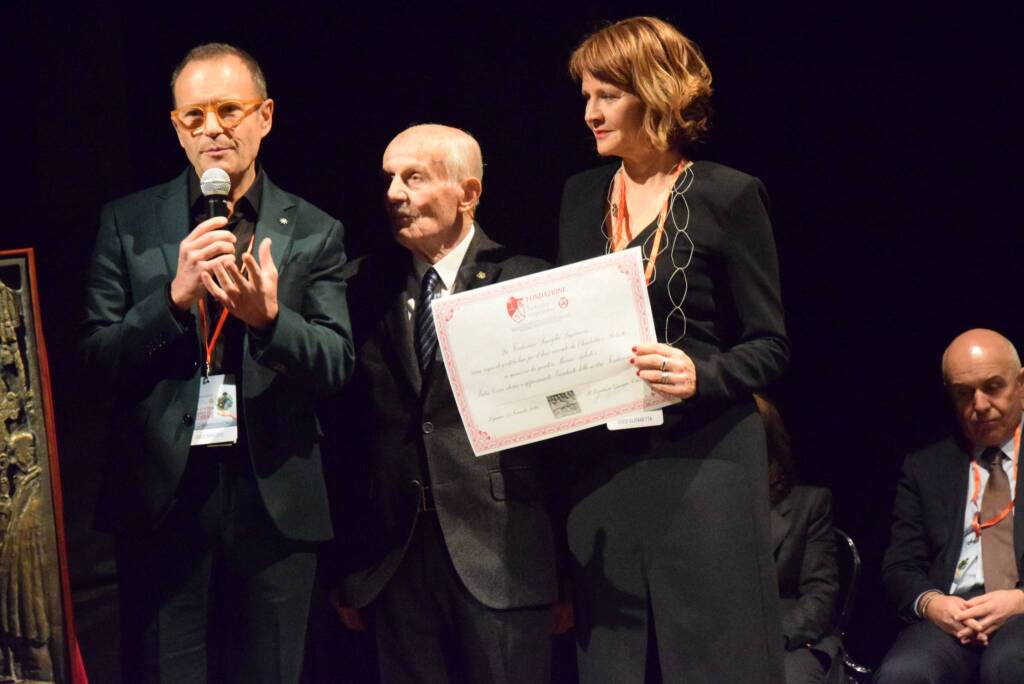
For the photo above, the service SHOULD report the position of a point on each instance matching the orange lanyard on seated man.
(977, 525)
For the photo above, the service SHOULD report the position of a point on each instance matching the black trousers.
(215, 593)
(924, 653)
(674, 573)
(431, 630)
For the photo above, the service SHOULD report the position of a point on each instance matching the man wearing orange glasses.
(217, 335)
(956, 556)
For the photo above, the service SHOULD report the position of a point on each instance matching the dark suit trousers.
(215, 593)
(924, 653)
(805, 666)
(431, 630)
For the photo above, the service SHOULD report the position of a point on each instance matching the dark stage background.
(887, 138)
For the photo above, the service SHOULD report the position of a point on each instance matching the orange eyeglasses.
(229, 113)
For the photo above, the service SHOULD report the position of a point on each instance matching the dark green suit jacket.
(152, 362)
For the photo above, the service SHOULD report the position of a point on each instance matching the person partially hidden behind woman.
(805, 558)
(668, 525)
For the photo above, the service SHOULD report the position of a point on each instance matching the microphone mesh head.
(215, 182)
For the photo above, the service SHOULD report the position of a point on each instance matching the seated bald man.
(452, 556)
(954, 561)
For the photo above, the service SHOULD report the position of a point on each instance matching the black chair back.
(846, 670)
(849, 575)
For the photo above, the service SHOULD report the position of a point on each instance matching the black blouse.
(715, 290)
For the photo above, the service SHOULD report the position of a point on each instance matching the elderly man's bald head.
(982, 372)
(454, 148)
(434, 187)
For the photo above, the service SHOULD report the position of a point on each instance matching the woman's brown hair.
(651, 59)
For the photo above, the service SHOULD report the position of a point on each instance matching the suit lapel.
(476, 271)
(781, 522)
(959, 471)
(276, 221)
(399, 330)
(170, 218)
(1018, 525)
(955, 468)
(171, 224)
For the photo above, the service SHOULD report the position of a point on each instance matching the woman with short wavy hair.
(668, 525)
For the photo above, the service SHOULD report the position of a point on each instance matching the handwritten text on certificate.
(548, 354)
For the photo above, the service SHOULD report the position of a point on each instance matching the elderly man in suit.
(954, 563)
(451, 555)
(217, 335)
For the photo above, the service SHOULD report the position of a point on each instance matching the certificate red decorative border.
(628, 263)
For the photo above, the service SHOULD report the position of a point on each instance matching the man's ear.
(266, 114)
(179, 132)
(472, 188)
(1020, 382)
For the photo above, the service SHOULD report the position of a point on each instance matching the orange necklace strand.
(623, 233)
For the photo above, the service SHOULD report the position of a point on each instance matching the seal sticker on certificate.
(564, 404)
(547, 354)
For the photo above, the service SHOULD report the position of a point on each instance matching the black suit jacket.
(928, 524)
(493, 510)
(131, 338)
(805, 562)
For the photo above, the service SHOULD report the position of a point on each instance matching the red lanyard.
(623, 233)
(976, 524)
(204, 322)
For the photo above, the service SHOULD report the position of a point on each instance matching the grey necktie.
(998, 559)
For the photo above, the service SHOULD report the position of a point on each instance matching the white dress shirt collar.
(449, 265)
(1006, 447)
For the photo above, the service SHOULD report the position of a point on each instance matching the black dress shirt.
(227, 354)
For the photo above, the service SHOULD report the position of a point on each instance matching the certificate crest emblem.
(516, 309)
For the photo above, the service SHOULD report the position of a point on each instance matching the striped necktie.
(426, 335)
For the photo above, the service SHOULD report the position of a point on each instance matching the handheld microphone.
(215, 185)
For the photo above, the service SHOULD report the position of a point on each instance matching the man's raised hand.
(251, 296)
(205, 247)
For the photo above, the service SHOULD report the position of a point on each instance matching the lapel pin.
(480, 275)
(283, 220)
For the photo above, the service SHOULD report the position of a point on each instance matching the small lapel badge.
(283, 220)
(480, 275)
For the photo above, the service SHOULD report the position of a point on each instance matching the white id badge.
(217, 412)
(637, 420)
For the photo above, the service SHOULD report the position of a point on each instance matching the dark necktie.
(998, 560)
(426, 335)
